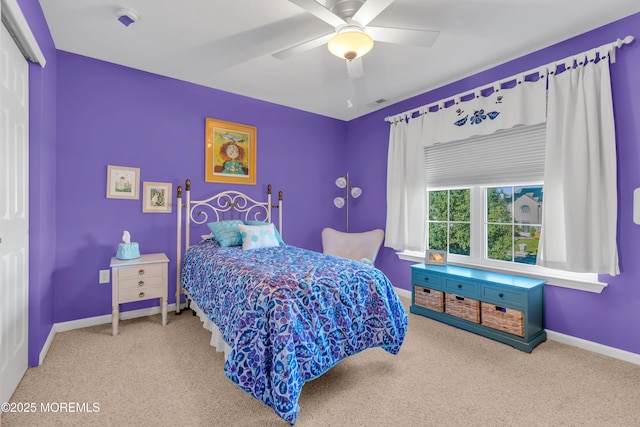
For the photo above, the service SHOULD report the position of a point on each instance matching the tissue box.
(128, 251)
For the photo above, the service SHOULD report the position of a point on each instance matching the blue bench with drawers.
(503, 307)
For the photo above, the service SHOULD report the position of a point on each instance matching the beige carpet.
(151, 375)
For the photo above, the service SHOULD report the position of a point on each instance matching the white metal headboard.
(225, 205)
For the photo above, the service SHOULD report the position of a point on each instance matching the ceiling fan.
(353, 37)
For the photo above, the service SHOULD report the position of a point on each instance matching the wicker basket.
(502, 318)
(428, 298)
(465, 308)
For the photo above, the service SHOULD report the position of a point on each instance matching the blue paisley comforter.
(290, 314)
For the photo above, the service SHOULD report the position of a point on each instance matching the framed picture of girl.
(230, 152)
(157, 197)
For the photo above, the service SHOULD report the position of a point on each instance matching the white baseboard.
(594, 347)
(47, 344)
(101, 320)
(616, 353)
(97, 320)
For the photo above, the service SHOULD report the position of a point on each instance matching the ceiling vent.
(378, 102)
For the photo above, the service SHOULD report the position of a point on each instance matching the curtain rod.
(616, 44)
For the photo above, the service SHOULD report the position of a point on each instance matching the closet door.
(14, 215)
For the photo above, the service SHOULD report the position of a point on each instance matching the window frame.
(478, 258)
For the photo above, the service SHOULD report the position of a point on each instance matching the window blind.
(506, 156)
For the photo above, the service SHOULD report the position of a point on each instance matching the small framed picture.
(156, 197)
(123, 182)
(435, 257)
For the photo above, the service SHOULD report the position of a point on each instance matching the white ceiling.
(227, 44)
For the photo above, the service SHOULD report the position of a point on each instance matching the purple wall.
(610, 318)
(113, 115)
(42, 191)
(87, 114)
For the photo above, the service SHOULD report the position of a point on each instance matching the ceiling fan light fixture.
(350, 44)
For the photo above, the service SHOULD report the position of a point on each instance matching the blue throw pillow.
(278, 236)
(226, 232)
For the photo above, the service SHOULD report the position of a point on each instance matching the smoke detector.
(127, 16)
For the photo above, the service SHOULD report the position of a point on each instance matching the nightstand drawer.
(141, 282)
(460, 287)
(140, 271)
(129, 295)
(502, 296)
(427, 280)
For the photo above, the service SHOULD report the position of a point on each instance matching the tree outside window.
(449, 221)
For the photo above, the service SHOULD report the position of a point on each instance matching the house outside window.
(514, 221)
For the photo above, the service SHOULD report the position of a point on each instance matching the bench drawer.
(430, 281)
(502, 296)
(462, 307)
(461, 287)
(428, 298)
(503, 319)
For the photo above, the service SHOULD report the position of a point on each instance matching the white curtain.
(580, 192)
(524, 104)
(406, 204)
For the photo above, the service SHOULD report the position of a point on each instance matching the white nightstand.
(137, 280)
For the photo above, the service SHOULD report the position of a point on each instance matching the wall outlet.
(104, 276)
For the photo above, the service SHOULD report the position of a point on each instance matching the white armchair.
(357, 246)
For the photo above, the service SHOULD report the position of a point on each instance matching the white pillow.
(258, 236)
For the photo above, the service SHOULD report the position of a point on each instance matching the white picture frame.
(433, 257)
(156, 197)
(123, 182)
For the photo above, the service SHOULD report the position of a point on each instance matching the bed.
(284, 314)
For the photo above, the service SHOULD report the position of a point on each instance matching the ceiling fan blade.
(355, 69)
(302, 47)
(369, 10)
(424, 38)
(319, 11)
(244, 46)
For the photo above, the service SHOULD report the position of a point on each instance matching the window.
(449, 221)
(485, 200)
(512, 227)
(495, 234)
(472, 217)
